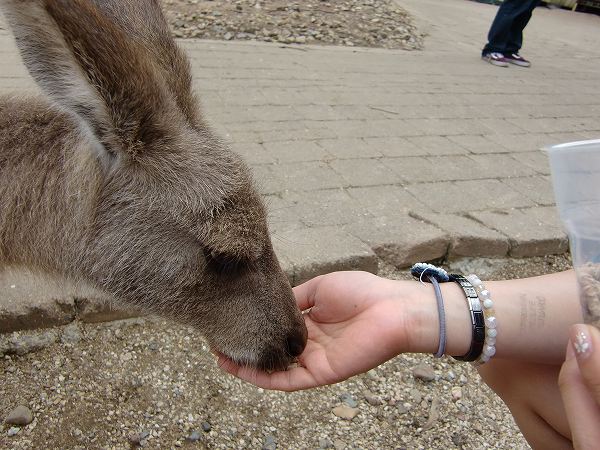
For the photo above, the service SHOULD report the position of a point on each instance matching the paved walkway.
(404, 155)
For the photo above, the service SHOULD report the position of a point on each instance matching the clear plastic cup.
(575, 170)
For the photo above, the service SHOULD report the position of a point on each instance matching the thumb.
(582, 408)
(586, 345)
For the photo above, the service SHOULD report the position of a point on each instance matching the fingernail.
(582, 344)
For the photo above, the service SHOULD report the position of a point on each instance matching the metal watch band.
(477, 319)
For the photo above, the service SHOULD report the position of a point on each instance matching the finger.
(305, 293)
(294, 379)
(582, 410)
(586, 341)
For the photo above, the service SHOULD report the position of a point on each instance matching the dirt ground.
(153, 383)
(365, 23)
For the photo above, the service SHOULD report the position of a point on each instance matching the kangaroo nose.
(295, 344)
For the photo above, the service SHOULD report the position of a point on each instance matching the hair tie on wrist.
(435, 276)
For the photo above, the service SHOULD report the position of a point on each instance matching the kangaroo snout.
(296, 342)
(281, 355)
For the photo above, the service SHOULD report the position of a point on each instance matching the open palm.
(354, 323)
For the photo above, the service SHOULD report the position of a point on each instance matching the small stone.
(403, 408)
(325, 443)
(460, 439)
(345, 412)
(339, 444)
(228, 36)
(348, 400)
(424, 372)
(457, 393)
(463, 379)
(22, 345)
(138, 439)
(450, 376)
(416, 395)
(12, 431)
(194, 436)
(21, 416)
(372, 399)
(71, 334)
(434, 414)
(270, 443)
(206, 427)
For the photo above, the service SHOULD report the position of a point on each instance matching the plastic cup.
(575, 170)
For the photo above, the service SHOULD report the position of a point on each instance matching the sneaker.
(515, 58)
(497, 59)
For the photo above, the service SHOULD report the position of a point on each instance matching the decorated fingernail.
(581, 341)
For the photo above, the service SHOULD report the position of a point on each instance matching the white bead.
(475, 281)
(484, 358)
(489, 350)
(484, 294)
(490, 340)
(491, 332)
(490, 322)
(488, 303)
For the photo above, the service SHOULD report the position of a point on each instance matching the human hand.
(356, 321)
(579, 383)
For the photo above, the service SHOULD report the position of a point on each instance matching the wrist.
(423, 322)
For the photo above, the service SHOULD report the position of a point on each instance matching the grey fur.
(113, 179)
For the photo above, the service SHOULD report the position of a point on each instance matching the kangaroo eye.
(222, 263)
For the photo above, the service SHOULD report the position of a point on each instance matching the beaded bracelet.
(491, 331)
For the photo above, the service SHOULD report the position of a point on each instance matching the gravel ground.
(365, 23)
(152, 383)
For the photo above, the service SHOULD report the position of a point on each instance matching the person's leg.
(515, 37)
(500, 33)
(531, 393)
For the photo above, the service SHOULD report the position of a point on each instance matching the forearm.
(533, 316)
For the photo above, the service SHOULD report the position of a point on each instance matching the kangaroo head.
(172, 222)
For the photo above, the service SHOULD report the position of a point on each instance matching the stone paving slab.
(372, 153)
(468, 237)
(531, 232)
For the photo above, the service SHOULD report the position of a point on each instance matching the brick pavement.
(403, 155)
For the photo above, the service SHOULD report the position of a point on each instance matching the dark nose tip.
(295, 344)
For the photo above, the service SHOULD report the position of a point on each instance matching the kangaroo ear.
(88, 64)
(144, 22)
